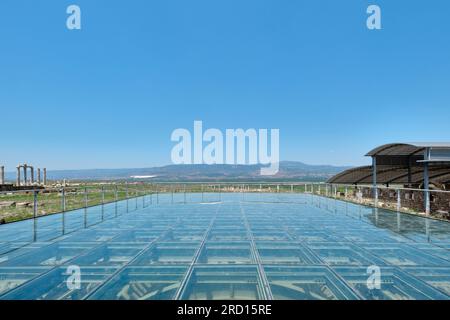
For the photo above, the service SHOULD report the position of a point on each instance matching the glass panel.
(439, 278)
(51, 255)
(223, 283)
(394, 285)
(58, 284)
(226, 252)
(143, 283)
(116, 254)
(306, 283)
(169, 253)
(12, 277)
(285, 253)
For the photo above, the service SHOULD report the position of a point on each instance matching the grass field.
(20, 205)
(17, 206)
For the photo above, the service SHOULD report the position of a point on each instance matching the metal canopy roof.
(406, 149)
(392, 175)
(401, 163)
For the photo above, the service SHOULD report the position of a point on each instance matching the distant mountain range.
(289, 171)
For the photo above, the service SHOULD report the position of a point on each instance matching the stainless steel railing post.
(144, 203)
(85, 206)
(63, 205)
(137, 195)
(63, 199)
(35, 214)
(116, 198)
(103, 203)
(126, 190)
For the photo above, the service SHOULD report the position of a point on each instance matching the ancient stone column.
(2, 175)
(45, 176)
(39, 176)
(25, 180)
(18, 175)
(32, 174)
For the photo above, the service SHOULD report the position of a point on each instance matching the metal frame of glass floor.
(241, 246)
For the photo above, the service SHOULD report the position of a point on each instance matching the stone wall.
(414, 200)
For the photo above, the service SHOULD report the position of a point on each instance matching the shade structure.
(402, 163)
(439, 175)
(407, 149)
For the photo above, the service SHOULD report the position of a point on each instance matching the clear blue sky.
(109, 95)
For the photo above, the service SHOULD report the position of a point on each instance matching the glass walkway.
(241, 246)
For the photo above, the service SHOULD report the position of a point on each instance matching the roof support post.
(409, 172)
(426, 181)
(374, 181)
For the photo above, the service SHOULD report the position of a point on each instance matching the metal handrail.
(384, 187)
